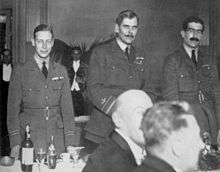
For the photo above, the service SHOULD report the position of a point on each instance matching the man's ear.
(33, 43)
(53, 42)
(177, 143)
(182, 33)
(116, 119)
(116, 30)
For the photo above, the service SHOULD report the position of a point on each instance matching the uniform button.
(46, 97)
(181, 76)
(130, 77)
(30, 89)
(113, 67)
(45, 86)
(198, 81)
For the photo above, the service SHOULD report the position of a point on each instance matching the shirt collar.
(76, 65)
(189, 50)
(122, 45)
(76, 61)
(41, 60)
(177, 170)
(137, 151)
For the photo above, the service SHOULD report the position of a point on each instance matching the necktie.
(44, 69)
(193, 56)
(127, 53)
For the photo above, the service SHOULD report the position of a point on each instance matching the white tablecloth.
(61, 167)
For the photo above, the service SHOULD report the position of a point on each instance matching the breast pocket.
(56, 89)
(185, 82)
(30, 93)
(116, 75)
(138, 71)
(206, 71)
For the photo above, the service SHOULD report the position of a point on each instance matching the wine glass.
(41, 156)
(74, 153)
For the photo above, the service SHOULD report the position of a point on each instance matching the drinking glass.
(74, 153)
(41, 156)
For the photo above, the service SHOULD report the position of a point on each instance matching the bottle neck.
(27, 135)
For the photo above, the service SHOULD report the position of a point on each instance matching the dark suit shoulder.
(108, 157)
(154, 164)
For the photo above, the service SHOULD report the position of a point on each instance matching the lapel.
(153, 162)
(123, 144)
(52, 70)
(35, 70)
(202, 59)
(116, 51)
(120, 53)
(82, 68)
(186, 59)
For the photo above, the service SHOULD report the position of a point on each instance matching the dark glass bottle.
(51, 154)
(27, 152)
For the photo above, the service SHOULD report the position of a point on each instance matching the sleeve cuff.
(15, 139)
(70, 139)
(107, 105)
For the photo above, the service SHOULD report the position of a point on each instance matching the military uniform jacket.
(109, 75)
(183, 81)
(45, 104)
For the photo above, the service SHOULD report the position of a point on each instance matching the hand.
(218, 137)
(15, 151)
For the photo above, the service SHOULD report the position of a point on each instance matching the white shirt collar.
(40, 61)
(122, 45)
(177, 170)
(76, 65)
(189, 51)
(137, 151)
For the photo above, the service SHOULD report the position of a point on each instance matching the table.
(61, 167)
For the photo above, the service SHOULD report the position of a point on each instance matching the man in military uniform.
(190, 75)
(114, 67)
(39, 95)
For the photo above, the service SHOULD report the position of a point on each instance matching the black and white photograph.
(110, 85)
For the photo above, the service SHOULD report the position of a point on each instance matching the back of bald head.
(131, 99)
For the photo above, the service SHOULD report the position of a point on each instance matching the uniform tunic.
(110, 74)
(183, 81)
(45, 104)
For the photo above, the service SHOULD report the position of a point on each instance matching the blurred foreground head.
(172, 134)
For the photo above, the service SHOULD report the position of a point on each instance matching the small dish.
(7, 161)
